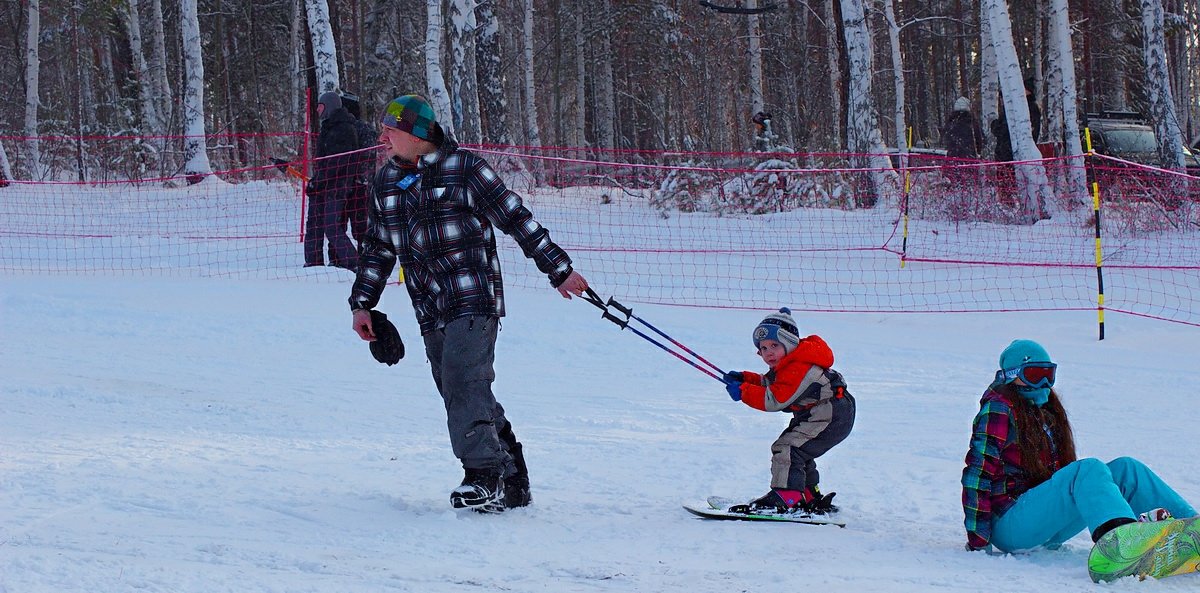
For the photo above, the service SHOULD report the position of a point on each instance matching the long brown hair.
(1032, 440)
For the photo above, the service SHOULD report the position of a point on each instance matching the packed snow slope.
(209, 436)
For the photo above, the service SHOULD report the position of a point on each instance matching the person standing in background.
(334, 172)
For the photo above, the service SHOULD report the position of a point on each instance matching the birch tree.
(1030, 176)
(195, 149)
(157, 66)
(146, 108)
(439, 98)
(297, 59)
(531, 112)
(862, 123)
(5, 167)
(464, 95)
(1067, 131)
(754, 49)
(579, 127)
(33, 158)
(897, 74)
(1158, 86)
(989, 91)
(493, 107)
(835, 71)
(605, 96)
(324, 47)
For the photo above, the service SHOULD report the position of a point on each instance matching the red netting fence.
(816, 232)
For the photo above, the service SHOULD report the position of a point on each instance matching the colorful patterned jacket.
(437, 221)
(800, 382)
(994, 477)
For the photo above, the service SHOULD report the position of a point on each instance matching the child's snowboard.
(718, 509)
(1156, 549)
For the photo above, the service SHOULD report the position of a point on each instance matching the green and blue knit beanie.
(412, 114)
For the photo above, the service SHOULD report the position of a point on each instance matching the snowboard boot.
(819, 504)
(516, 485)
(516, 491)
(481, 490)
(1158, 514)
(778, 501)
(1152, 548)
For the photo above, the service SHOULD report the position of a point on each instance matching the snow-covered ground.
(209, 435)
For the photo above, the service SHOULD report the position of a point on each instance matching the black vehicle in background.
(1129, 136)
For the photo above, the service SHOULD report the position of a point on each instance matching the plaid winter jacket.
(994, 477)
(437, 220)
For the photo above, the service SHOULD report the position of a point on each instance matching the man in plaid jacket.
(435, 210)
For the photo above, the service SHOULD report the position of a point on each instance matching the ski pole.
(628, 311)
(594, 299)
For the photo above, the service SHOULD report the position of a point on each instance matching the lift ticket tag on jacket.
(408, 180)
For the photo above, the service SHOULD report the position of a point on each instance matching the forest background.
(625, 74)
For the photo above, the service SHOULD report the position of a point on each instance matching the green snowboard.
(1156, 549)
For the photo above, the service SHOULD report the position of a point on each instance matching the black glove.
(387, 348)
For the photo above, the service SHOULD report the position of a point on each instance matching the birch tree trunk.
(33, 157)
(1158, 86)
(605, 95)
(1052, 114)
(85, 87)
(195, 149)
(493, 107)
(464, 96)
(297, 62)
(5, 167)
(989, 91)
(323, 46)
(158, 70)
(835, 74)
(1068, 133)
(531, 113)
(579, 129)
(757, 103)
(897, 75)
(145, 89)
(439, 98)
(862, 124)
(1030, 175)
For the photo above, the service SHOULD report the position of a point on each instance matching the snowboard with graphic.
(1155, 549)
(717, 508)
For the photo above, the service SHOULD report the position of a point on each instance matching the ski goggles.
(1033, 374)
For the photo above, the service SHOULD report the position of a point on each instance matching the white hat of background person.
(962, 104)
(779, 327)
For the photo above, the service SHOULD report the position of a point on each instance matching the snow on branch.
(737, 8)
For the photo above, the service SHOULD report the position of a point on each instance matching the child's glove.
(733, 384)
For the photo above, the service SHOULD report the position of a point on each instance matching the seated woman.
(1023, 486)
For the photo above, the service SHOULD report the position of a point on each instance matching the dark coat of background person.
(355, 211)
(999, 129)
(963, 136)
(334, 175)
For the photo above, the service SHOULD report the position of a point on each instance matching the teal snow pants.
(1085, 493)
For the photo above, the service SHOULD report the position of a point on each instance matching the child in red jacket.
(802, 382)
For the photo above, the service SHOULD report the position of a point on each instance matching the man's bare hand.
(574, 284)
(362, 325)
